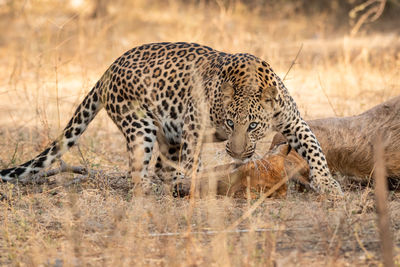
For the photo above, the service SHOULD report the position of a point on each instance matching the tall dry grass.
(51, 53)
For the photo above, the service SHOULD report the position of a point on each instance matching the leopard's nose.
(233, 154)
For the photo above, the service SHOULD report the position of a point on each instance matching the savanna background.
(343, 57)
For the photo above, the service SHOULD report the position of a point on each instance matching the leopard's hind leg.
(140, 131)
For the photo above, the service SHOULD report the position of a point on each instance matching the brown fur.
(348, 142)
(261, 175)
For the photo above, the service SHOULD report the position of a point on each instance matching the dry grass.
(52, 53)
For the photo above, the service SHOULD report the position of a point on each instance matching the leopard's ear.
(269, 93)
(227, 92)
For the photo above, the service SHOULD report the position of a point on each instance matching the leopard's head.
(248, 117)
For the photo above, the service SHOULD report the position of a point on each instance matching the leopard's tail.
(83, 115)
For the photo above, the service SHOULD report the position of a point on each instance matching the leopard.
(177, 94)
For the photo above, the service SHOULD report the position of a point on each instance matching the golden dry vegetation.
(52, 52)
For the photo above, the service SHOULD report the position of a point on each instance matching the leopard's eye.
(252, 125)
(230, 123)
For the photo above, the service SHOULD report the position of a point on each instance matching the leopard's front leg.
(178, 162)
(189, 155)
(303, 140)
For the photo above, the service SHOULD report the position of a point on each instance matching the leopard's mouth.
(243, 158)
(240, 162)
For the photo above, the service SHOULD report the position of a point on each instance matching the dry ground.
(52, 53)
